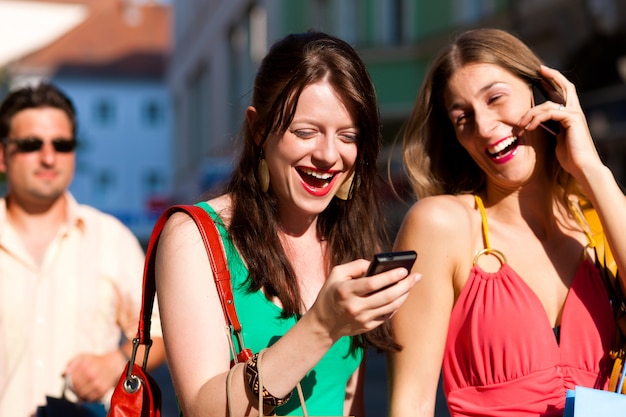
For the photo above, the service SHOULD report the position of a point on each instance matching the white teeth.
(317, 174)
(500, 146)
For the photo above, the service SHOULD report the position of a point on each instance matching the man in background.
(70, 275)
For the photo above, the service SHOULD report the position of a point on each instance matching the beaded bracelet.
(251, 372)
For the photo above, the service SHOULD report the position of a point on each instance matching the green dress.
(324, 386)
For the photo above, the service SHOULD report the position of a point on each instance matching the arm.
(94, 373)
(421, 325)
(577, 154)
(609, 202)
(193, 324)
(92, 376)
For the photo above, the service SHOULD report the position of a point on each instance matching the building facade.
(218, 45)
(112, 63)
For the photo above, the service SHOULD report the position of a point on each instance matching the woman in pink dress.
(511, 303)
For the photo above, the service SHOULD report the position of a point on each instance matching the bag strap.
(597, 238)
(588, 218)
(604, 257)
(215, 251)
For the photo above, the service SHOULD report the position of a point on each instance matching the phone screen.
(386, 261)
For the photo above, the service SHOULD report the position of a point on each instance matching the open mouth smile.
(316, 182)
(503, 150)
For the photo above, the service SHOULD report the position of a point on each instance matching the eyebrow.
(481, 91)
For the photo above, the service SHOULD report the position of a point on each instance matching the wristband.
(251, 371)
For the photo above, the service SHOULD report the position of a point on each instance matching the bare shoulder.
(180, 228)
(443, 215)
(179, 233)
(438, 228)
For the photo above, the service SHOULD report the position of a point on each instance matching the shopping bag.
(590, 402)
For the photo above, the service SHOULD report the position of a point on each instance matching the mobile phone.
(385, 261)
(542, 92)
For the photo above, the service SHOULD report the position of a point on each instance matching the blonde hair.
(433, 158)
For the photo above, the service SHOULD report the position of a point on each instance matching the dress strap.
(487, 250)
(483, 216)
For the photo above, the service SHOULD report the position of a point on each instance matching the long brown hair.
(434, 160)
(353, 228)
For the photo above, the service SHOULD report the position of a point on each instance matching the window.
(152, 113)
(605, 15)
(394, 22)
(241, 72)
(198, 123)
(349, 20)
(104, 184)
(468, 11)
(258, 33)
(153, 182)
(104, 112)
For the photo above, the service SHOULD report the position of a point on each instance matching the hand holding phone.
(542, 92)
(386, 261)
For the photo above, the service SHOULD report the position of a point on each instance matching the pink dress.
(501, 356)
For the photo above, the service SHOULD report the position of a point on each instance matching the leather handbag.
(137, 394)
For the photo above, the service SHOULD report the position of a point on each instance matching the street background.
(161, 86)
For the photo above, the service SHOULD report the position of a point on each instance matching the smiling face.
(484, 103)
(315, 155)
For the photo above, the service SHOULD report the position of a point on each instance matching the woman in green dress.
(299, 220)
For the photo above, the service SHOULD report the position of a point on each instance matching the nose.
(325, 152)
(485, 123)
(47, 154)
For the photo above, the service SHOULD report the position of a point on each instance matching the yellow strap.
(483, 216)
(487, 250)
(582, 219)
(616, 375)
(589, 220)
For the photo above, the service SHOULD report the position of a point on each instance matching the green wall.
(397, 82)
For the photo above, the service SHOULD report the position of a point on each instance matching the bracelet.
(251, 371)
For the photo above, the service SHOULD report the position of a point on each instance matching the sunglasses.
(33, 144)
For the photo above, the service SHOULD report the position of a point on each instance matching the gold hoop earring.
(343, 193)
(264, 175)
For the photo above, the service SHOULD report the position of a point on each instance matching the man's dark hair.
(31, 97)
